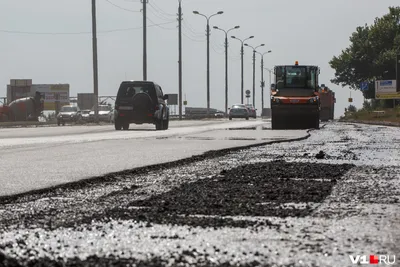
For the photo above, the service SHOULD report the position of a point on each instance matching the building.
(55, 95)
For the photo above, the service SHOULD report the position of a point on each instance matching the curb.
(141, 170)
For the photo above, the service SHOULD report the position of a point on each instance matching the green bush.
(352, 108)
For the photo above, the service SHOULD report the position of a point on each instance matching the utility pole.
(262, 77)
(144, 39)
(262, 83)
(242, 76)
(226, 63)
(208, 54)
(180, 58)
(208, 67)
(254, 78)
(95, 68)
(254, 70)
(242, 53)
(226, 74)
(270, 73)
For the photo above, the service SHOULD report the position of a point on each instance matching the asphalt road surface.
(36, 158)
(317, 202)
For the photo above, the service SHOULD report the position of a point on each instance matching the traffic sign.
(364, 86)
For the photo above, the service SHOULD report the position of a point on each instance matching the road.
(36, 158)
(316, 202)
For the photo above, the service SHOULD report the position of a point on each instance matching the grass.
(391, 115)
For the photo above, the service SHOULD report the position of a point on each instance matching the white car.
(104, 113)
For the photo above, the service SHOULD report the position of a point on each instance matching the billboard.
(172, 99)
(386, 89)
(55, 95)
(398, 72)
(21, 82)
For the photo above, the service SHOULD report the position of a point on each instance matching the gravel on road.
(308, 203)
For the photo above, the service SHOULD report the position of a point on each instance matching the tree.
(371, 54)
(352, 108)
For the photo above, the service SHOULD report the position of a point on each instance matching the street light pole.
(254, 78)
(208, 54)
(241, 58)
(95, 68)
(180, 57)
(262, 77)
(144, 40)
(226, 63)
(270, 71)
(254, 71)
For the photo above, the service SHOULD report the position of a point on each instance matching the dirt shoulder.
(386, 117)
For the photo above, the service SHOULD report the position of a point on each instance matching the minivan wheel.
(160, 122)
(166, 124)
(159, 125)
(125, 126)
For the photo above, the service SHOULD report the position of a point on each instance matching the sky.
(50, 41)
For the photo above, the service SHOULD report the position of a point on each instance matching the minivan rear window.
(131, 89)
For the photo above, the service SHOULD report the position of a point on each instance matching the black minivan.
(141, 102)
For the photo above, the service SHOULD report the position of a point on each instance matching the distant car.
(85, 114)
(68, 113)
(104, 113)
(252, 111)
(238, 111)
(219, 114)
(141, 102)
(111, 116)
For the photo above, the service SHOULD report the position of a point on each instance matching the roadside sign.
(364, 86)
(350, 100)
(248, 92)
(185, 103)
(398, 73)
(172, 99)
(386, 89)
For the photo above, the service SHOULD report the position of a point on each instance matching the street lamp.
(226, 63)
(262, 77)
(254, 71)
(270, 71)
(208, 54)
(242, 53)
(95, 66)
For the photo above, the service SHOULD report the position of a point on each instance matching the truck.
(23, 109)
(328, 101)
(295, 102)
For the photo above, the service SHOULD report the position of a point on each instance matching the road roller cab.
(295, 102)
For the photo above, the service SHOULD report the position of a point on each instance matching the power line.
(160, 17)
(155, 6)
(189, 27)
(190, 38)
(160, 14)
(215, 50)
(195, 34)
(120, 7)
(158, 25)
(77, 33)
